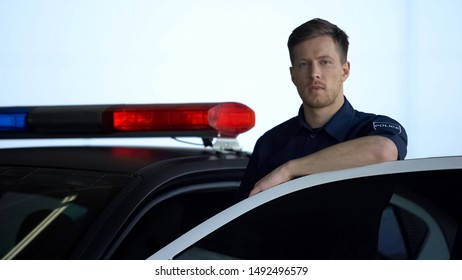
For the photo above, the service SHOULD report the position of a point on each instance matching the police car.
(89, 202)
(180, 203)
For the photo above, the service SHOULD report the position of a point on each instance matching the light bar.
(196, 119)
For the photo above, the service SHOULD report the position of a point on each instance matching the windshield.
(44, 212)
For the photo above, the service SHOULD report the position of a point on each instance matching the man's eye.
(302, 64)
(325, 62)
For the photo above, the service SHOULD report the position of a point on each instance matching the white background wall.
(406, 58)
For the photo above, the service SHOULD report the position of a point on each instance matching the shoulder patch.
(392, 127)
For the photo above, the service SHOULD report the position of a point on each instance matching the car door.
(398, 210)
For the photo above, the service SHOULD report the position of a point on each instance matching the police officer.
(328, 133)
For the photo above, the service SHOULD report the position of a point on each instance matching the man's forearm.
(353, 153)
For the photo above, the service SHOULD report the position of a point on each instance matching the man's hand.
(276, 177)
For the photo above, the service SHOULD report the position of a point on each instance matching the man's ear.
(291, 69)
(346, 70)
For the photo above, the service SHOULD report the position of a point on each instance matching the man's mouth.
(315, 87)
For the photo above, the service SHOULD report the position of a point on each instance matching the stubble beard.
(320, 100)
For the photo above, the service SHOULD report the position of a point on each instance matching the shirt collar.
(338, 125)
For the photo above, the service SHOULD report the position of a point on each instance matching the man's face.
(318, 72)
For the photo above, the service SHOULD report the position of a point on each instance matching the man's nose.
(315, 71)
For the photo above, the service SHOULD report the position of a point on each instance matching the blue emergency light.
(12, 121)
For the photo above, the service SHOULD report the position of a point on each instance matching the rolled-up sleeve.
(391, 129)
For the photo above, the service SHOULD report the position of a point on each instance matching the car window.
(168, 217)
(391, 241)
(44, 212)
(402, 234)
(400, 216)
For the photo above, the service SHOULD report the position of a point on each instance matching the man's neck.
(318, 117)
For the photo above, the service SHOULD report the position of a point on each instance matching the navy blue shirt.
(295, 138)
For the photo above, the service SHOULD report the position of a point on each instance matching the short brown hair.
(315, 28)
